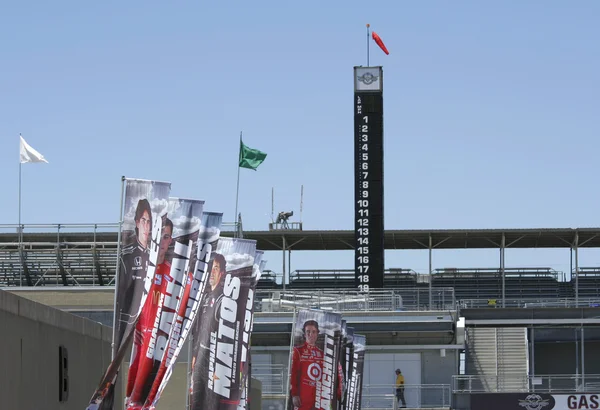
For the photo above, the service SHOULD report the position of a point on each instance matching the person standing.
(400, 388)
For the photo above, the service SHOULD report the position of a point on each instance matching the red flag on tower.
(380, 42)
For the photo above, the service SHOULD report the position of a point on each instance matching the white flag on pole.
(28, 154)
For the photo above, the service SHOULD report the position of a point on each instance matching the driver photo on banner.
(307, 362)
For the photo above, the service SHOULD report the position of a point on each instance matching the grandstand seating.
(345, 278)
(267, 280)
(486, 283)
(589, 282)
(91, 262)
(64, 264)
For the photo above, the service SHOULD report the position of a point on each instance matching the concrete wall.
(174, 396)
(31, 336)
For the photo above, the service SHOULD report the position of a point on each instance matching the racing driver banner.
(356, 380)
(144, 204)
(315, 376)
(178, 241)
(349, 353)
(221, 334)
(190, 303)
(247, 361)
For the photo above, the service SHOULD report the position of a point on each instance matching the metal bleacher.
(63, 265)
(486, 283)
(589, 282)
(85, 255)
(345, 278)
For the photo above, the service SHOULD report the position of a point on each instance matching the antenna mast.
(301, 200)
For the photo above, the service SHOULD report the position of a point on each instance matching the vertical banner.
(247, 361)
(190, 303)
(222, 331)
(341, 352)
(178, 242)
(144, 204)
(314, 366)
(349, 353)
(356, 381)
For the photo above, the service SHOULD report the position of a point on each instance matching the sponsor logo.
(314, 372)
(137, 261)
(367, 78)
(158, 279)
(533, 402)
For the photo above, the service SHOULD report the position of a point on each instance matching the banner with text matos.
(179, 233)
(144, 203)
(222, 329)
(190, 302)
(314, 367)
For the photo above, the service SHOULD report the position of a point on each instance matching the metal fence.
(352, 300)
(273, 377)
(416, 396)
(529, 303)
(540, 384)
(82, 228)
(381, 396)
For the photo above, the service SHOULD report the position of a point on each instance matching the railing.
(352, 300)
(273, 377)
(508, 272)
(540, 384)
(349, 274)
(285, 226)
(377, 396)
(83, 228)
(529, 303)
(416, 396)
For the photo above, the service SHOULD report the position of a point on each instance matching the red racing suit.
(141, 366)
(307, 365)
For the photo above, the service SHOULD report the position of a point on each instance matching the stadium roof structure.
(297, 240)
(431, 239)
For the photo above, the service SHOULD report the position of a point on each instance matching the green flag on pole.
(250, 158)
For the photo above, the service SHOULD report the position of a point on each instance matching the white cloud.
(183, 226)
(238, 261)
(210, 234)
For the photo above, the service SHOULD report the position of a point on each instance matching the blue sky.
(491, 113)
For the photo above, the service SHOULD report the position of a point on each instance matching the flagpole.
(117, 315)
(368, 42)
(237, 192)
(19, 227)
(20, 190)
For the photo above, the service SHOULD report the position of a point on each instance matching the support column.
(576, 359)
(283, 279)
(430, 273)
(576, 244)
(582, 357)
(502, 245)
(571, 264)
(532, 371)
